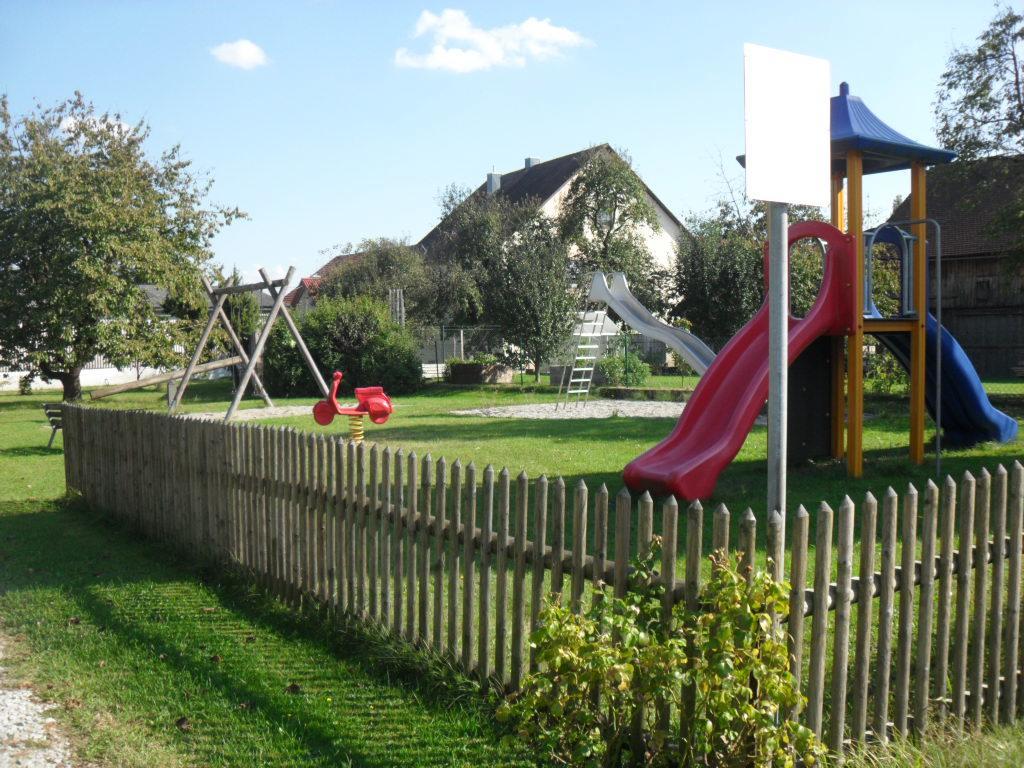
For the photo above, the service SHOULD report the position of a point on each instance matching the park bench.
(54, 414)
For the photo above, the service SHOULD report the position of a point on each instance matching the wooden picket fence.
(923, 624)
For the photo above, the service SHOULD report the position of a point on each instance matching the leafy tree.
(379, 265)
(979, 113)
(475, 230)
(86, 218)
(720, 269)
(529, 295)
(605, 211)
(354, 335)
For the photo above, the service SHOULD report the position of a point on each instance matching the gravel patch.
(29, 737)
(593, 409)
(252, 414)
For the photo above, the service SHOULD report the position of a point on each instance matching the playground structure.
(732, 392)
(614, 293)
(370, 401)
(217, 297)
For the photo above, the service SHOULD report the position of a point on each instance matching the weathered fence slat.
(797, 599)
(453, 560)
(519, 580)
(976, 662)
(484, 622)
(995, 614)
(469, 530)
(947, 524)
(412, 519)
(865, 586)
(926, 604)
(819, 620)
(963, 598)
(579, 545)
(539, 548)
(501, 579)
(1013, 595)
(441, 520)
(841, 644)
(904, 643)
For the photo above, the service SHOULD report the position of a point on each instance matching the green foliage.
(621, 366)
(720, 269)
(86, 218)
(379, 265)
(529, 296)
(604, 213)
(356, 336)
(979, 110)
(475, 231)
(605, 675)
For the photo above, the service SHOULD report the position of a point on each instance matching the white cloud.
(459, 46)
(244, 54)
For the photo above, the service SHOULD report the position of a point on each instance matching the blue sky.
(351, 123)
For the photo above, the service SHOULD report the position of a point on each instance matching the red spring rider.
(370, 401)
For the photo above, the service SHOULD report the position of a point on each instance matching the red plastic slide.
(728, 398)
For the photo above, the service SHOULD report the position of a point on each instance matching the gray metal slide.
(618, 297)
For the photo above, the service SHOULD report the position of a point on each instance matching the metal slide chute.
(618, 297)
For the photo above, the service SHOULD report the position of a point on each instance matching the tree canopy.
(378, 265)
(604, 215)
(979, 113)
(529, 292)
(86, 219)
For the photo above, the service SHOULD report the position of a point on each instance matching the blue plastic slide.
(967, 415)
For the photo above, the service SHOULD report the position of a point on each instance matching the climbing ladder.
(588, 333)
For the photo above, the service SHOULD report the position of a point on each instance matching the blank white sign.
(786, 113)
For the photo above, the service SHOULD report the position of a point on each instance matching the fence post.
(539, 553)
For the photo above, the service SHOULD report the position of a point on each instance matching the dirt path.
(29, 737)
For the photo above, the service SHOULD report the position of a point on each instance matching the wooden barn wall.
(983, 307)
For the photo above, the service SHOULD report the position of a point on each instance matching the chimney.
(531, 161)
(493, 183)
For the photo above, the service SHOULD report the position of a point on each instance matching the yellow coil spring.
(355, 428)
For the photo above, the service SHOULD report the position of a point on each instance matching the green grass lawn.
(128, 639)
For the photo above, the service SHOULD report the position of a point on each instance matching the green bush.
(624, 370)
(606, 675)
(354, 335)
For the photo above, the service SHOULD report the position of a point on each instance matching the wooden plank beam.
(246, 288)
(160, 378)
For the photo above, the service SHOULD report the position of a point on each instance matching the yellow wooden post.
(855, 370)
(918, 210)
(838, 342)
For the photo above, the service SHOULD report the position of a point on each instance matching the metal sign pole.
(778, 366)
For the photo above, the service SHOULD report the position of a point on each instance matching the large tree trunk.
(72, 383)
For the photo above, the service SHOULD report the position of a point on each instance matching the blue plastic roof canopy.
(854, 126)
